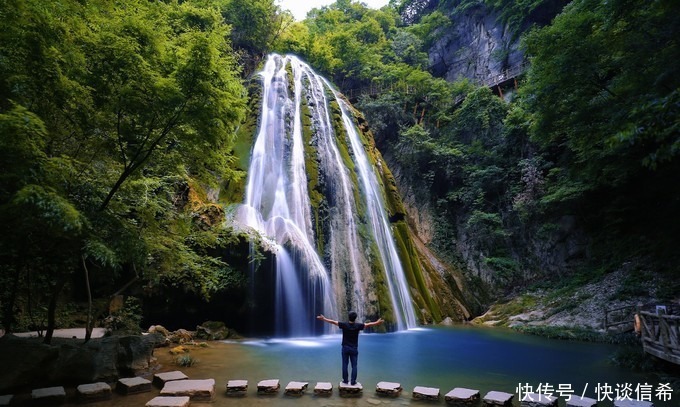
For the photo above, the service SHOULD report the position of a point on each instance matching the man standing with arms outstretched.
(350, 342)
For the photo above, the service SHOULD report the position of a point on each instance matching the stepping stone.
(498, 398)
(323, 389)
(270, 386)
(461, 395)
(169, 402)
(49, 395)
(237, 387)
(349, 390)
(6, 400)
(93, 392)
(538, 400)
(425, 393)
(197, 390)
(159, 379)
(632, 403)
(133, 385)
(575, 401)
(295, 388)
(388, 389)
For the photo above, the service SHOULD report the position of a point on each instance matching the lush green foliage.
(591, 140)
(602, 97)
(118, 118)
(115, 117)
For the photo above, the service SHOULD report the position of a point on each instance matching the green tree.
(603, 90)
(133, 102)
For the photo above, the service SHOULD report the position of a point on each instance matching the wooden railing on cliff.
(660, 335)
(620, 319)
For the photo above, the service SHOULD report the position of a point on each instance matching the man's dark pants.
(349, 354)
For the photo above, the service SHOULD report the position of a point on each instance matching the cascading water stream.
(315, 277)
(396, 281)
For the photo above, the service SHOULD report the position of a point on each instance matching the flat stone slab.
(323, 389)
(93, 392)
(269, 386)
(6, 399)
(197, 390)
(350, 390)
(388, 389)
(159, 379)
(161, 401)
(632, 403)
(133, 385)
(577, 401)
(538, 400)
(49, 395)
(237, 387)
(498, 398)
(295, 388)
(425, 393)
(461, 395)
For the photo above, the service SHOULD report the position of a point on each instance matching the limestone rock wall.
(476, 46)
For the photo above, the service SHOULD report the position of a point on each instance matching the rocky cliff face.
(479, 44)
(477, 47)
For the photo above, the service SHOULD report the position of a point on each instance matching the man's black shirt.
(350, 333)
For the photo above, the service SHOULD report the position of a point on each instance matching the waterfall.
(315, 274)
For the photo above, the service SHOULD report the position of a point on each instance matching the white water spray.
(278, 206)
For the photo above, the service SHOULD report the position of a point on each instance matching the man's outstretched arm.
(324, 319)
(374, 323)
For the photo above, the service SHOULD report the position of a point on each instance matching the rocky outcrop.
(105, 359)
(213, 331)
(574, 311)
(477, 47)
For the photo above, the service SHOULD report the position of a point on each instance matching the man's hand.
(324, 319)
(378, 322)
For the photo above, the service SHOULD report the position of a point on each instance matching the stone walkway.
(178, 390)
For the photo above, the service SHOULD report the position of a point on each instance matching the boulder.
(498, 398)
(93, 392)
(102, 359)
(388, 389)
(197, 390)
(462, 396)
(350, 390)
(237, 387)
(181, 336)
(212, 331)
(133, 385)
(295, 388)
(323, 389)
(179, 350)
(159, 379)
(161, 401)
(270, 386)
(48, 396)
(632, 403)
(538, 400)
(159, 329)
(425, 393)
(578, 401)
